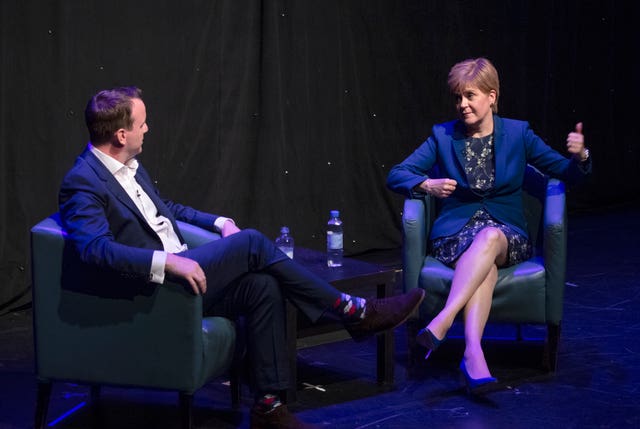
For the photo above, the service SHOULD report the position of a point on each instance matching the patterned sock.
(268, 403)
(350, 308)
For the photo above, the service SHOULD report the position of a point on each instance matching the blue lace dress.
(480, 169)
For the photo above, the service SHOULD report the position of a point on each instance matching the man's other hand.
(187, 269)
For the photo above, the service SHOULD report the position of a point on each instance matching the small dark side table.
(356, 278)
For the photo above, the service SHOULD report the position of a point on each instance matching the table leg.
(385, 344)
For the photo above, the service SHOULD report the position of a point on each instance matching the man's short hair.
(110, 110)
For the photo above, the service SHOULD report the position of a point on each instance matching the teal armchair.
(528, 293)
(158, 340)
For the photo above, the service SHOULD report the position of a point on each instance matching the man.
(120, 227)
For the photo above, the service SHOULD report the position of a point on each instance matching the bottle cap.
(335, 213)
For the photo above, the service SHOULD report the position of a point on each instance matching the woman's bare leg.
(488, 250)
(476, 313)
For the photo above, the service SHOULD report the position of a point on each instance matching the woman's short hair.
(478, 72)
(108, 111)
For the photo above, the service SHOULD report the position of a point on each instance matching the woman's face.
(474, 107)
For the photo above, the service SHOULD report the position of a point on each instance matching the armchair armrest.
(153, 340)
(195, 236)
(415, 230)
(555, 248)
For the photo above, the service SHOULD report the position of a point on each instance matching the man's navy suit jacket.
(108, 239)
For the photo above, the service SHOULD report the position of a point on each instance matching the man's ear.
(121, 136)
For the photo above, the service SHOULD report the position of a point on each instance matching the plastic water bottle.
(334, 240)
(285, 242)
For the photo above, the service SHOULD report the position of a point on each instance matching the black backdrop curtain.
(274, 112)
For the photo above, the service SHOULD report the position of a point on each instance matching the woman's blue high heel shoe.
(474, 384)
(426, 339)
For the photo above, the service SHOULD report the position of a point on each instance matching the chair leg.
(42, 404)
(94, 401)
(519, 336)
(186, 408)
(234, 384)
(413, 348)
(95, 393)
(238, 370)
(551, 346)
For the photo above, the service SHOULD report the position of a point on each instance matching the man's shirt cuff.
(219, 222)
(158, 263)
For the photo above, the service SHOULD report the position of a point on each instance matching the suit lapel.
(151, 192)
(111, 183)
(118, 191)
(500, 153)
(142, 177)
(458, 142)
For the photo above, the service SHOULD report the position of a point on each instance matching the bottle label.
(334, 240)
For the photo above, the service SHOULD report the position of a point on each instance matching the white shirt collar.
(112, 164)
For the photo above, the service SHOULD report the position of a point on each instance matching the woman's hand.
(575, 144)
(440, 188)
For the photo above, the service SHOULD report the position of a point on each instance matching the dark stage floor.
(597, 384)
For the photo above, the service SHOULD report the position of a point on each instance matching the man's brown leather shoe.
(278, 418)
(386, 313)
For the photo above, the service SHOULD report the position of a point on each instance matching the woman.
(476, 166)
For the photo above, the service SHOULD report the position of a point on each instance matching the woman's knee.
(492, 238)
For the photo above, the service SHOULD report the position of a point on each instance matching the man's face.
(135, 136)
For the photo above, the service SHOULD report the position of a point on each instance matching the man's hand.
(187, 269)
(440, 188)
(229, 228)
